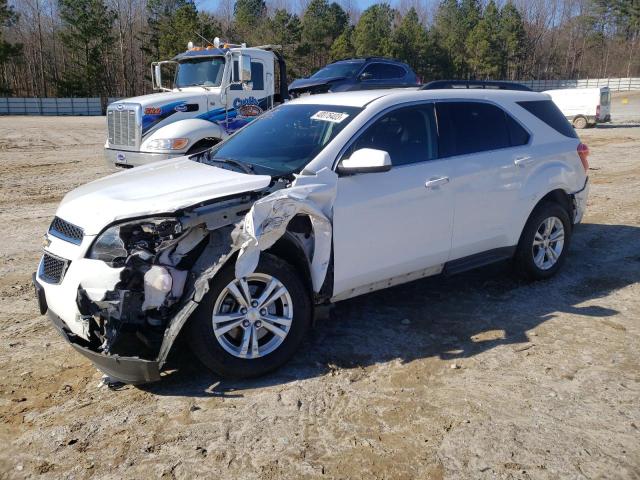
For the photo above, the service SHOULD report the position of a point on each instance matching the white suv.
(319, 200)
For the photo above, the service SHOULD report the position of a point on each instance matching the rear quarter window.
(549, 113)
(471, 127)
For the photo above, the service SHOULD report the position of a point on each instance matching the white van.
(583, 107)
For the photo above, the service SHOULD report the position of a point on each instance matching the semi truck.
(215, 90)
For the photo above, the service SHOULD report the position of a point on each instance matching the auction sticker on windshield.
(335, 117)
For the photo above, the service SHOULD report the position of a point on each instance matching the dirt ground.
(471, 377)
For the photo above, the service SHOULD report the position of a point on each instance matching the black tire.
(208, 349)
(524, 263)
(580, 122)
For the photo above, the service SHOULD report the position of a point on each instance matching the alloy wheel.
(548, 243)
(252, 316)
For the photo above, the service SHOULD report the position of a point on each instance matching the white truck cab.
(583, 107)
(210, 99)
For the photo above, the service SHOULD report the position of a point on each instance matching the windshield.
(285, 139)
(341, 69)
(200, 71)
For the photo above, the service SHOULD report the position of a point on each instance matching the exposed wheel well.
(290, 249)
(202, 144)
(560, 197)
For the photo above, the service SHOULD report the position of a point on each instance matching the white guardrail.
(52, 106)
(614, 84)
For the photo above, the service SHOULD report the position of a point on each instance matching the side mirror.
(244, 68)
(157, 77)
(366, 76)
(365, 160)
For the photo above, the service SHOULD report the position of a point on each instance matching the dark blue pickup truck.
(356, 74)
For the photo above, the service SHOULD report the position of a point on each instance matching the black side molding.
(478, 260)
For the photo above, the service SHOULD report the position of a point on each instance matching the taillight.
(598, 112)
(583, 153)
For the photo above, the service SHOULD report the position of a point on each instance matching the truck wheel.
(580, 122)
(248, 327)
(544, 242)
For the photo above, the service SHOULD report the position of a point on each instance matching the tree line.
(104, 47)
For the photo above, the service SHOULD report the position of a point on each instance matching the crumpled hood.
(308, 83)
(160, 187)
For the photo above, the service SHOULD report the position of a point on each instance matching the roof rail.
(481, 84)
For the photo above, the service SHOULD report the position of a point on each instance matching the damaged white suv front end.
(118, 252)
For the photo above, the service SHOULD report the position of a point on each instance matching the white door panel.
(389, 224)
(486, 187)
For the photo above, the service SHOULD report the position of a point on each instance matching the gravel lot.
(476, 376)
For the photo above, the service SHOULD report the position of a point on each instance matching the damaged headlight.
(114, 245)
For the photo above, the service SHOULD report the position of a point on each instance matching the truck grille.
(121, 125)
(53, 268)
(66, 231)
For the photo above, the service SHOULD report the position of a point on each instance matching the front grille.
(53, 268)
(121, 125)
(66, 231)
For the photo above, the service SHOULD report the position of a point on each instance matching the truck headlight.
(115, 243)
(168, 144)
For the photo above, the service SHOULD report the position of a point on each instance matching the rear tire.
(580, 122)
(544, 242)
(277, 326)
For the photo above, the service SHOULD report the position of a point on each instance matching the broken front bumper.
(125, 369)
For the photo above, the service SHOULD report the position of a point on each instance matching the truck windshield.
(341, 69)
(200, 71)
(285, 139)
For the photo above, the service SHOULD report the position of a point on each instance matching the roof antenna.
(208, 42)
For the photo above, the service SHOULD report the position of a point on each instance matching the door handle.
(524, 161)
(436, 181)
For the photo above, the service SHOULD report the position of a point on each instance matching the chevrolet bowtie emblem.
(46, 241)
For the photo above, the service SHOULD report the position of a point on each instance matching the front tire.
(544, 242)
(248, 327)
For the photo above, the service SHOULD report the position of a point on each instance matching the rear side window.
(549, 113)
(381, 71)
(517, 134)
(471, 127)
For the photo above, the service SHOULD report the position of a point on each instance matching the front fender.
(195, 129)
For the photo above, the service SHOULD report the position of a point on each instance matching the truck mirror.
(157, 77)
(244, 64)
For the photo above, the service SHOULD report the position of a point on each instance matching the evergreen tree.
(514, 43)
(322, 23)
(286, 30)
(171, 25)
(410, 43)
(343, 46)
(484, 46)
(87, 35)
(372, 34)
(177, 30)
(451, 34)
(250, 16)
(8, 50)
